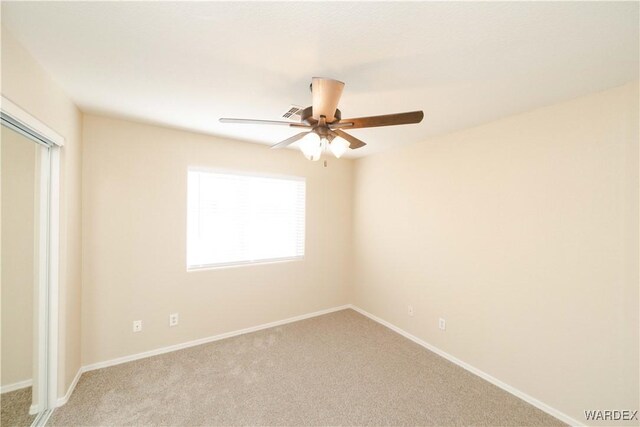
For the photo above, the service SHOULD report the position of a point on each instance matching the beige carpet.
(15, 408)
(337, 369)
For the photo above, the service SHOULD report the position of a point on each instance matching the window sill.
(242, 264)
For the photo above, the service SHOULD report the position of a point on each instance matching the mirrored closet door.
(24, 211)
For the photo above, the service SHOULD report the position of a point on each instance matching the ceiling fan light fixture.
(311, 146)
(338, 146)
(323, 123)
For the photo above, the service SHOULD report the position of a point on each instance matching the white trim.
(30, 122)
(64, 399)
(200, 341)
(48, 285)
(15, 386)
(506, 387)
(54, 271)
(41, 295)
(242, 172)
(120, 360)
(42, 418)
(223, 265)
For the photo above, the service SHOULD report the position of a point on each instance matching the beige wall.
(134, 241)
(523, 235)
(26, 84)
(18, 173)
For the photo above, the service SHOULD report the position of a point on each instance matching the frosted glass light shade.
(338, 147)
(326, 95)
(311, 147)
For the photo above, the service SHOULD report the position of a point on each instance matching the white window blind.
(239, 219)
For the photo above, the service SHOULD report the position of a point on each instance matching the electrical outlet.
(442, 324)
(410, 310)
(137, 325)
(173, 319)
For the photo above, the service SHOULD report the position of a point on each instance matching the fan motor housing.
(307, 116)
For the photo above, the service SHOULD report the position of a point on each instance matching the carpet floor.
(338, 369)
(15, 408)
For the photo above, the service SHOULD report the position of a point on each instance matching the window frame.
(244, 263)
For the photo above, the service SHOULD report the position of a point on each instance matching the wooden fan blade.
(353, 141)
(375, 121)
(340, 125)
(263, 122)
(291, 140)
(326, 94)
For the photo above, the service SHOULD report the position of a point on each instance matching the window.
(237, 219)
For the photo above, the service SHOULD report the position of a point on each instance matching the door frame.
(49, 243)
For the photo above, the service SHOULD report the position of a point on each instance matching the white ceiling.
(185, 64)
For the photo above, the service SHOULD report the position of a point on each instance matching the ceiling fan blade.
(386, 120)
(291, 140)
(353, 141)
(326, 94)
(263, 122)
(340, 125)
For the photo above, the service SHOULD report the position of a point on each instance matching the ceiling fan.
(323, 122)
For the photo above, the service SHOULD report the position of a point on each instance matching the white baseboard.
(506, 387)
(200, 341)
(15, 386)
(64, 399)
(34, 409)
